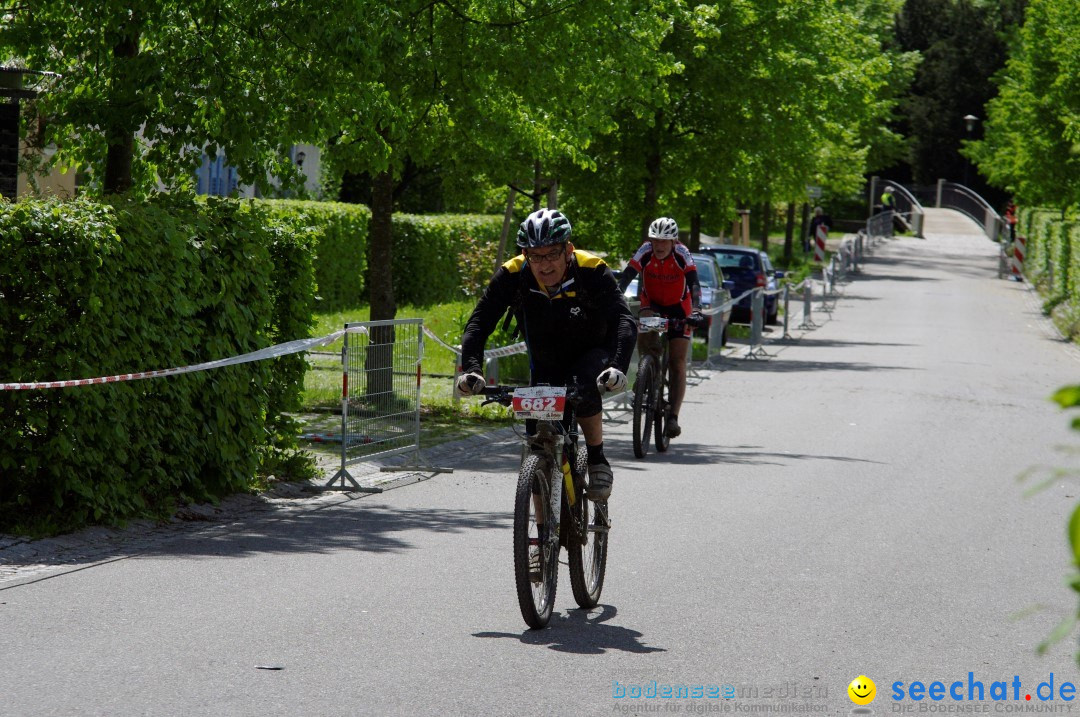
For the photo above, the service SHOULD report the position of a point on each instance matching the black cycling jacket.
(588, 312)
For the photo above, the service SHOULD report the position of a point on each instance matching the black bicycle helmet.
(543, 228)
(664, 228)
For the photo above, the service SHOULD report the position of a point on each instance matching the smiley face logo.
(862, 690)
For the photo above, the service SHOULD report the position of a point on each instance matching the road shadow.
(341, 526)
(687, 453)
(851, 297)
(833, 343)
(373, 529)
(767, 364)
(581, 632)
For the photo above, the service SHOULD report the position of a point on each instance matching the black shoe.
(600, 479)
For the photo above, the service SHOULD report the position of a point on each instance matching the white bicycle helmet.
(543, 228)
(664, 228)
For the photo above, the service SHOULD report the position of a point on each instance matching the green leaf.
(1067, 397)
(1074, 535)
(1059, 633)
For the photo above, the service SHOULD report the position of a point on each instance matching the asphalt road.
(849, 505)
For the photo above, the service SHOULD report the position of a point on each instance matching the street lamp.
(969, 122)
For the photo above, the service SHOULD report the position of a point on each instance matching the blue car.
(748, 268)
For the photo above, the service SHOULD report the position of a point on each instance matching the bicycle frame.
(551, 479)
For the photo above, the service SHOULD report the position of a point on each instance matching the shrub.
(92, 290)
(425, 247)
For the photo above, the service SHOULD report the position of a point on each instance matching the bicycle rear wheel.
(588, 555)
(535, 596)
(644, 402)
(663, 404)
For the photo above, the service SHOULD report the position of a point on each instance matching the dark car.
(747, 268)
(715, 291)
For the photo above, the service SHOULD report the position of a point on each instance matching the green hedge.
(426, 249)
(339, 233)
(92, 290)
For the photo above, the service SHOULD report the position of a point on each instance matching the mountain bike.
(652, 388)
(550, 507)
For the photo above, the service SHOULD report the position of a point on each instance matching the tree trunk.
(804, 227)
(693, 242)
(766, 217)
(380, 281)
(789, 233)
(536, 185)
(381, 248)
(119, 137)
(653, 161)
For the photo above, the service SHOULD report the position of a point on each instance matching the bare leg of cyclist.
(677, 350)
(592, 428)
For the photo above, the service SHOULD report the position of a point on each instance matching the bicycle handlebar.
(665, 323)
(504, 395)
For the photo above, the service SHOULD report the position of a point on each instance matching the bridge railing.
(908, 211)
(951, 195)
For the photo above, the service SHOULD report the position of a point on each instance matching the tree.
(963, 43)
(146, 85)
(1033, 125)
(767, 97)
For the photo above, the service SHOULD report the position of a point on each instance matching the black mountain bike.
(550, 507)
(652, 388)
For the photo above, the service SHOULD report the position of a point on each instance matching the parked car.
(748, 268)
(715, 290)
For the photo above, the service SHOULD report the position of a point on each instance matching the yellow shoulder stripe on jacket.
(588, 260)
(514, 264)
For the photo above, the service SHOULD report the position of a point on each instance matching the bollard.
(1019, 252)
(827, 286)
(819, 243)
(787, 310)
(491, 371)
(807, 296)
(757, 318)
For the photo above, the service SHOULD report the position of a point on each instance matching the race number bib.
(653, 323)
(545, 403)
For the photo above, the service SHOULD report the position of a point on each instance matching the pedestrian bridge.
(947, 208)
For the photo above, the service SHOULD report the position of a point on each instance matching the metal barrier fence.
(908, 211)
(380, 396)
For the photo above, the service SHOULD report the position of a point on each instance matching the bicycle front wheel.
(663, 404)
(644, 404)
(588, 554)
(536, 559)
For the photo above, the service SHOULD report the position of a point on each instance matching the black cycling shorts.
(582, 373)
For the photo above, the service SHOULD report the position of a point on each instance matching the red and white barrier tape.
(290, 347)
(518, 348)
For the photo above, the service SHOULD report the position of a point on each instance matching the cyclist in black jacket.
(574, 319)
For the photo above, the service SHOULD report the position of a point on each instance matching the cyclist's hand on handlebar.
(470, 384)
(696, 318)
(611, 379)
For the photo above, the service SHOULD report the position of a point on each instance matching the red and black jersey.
(668, 282)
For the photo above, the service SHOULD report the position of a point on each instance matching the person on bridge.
(669, 287)
(1011, 219)
(888, 201)
(575, 321)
